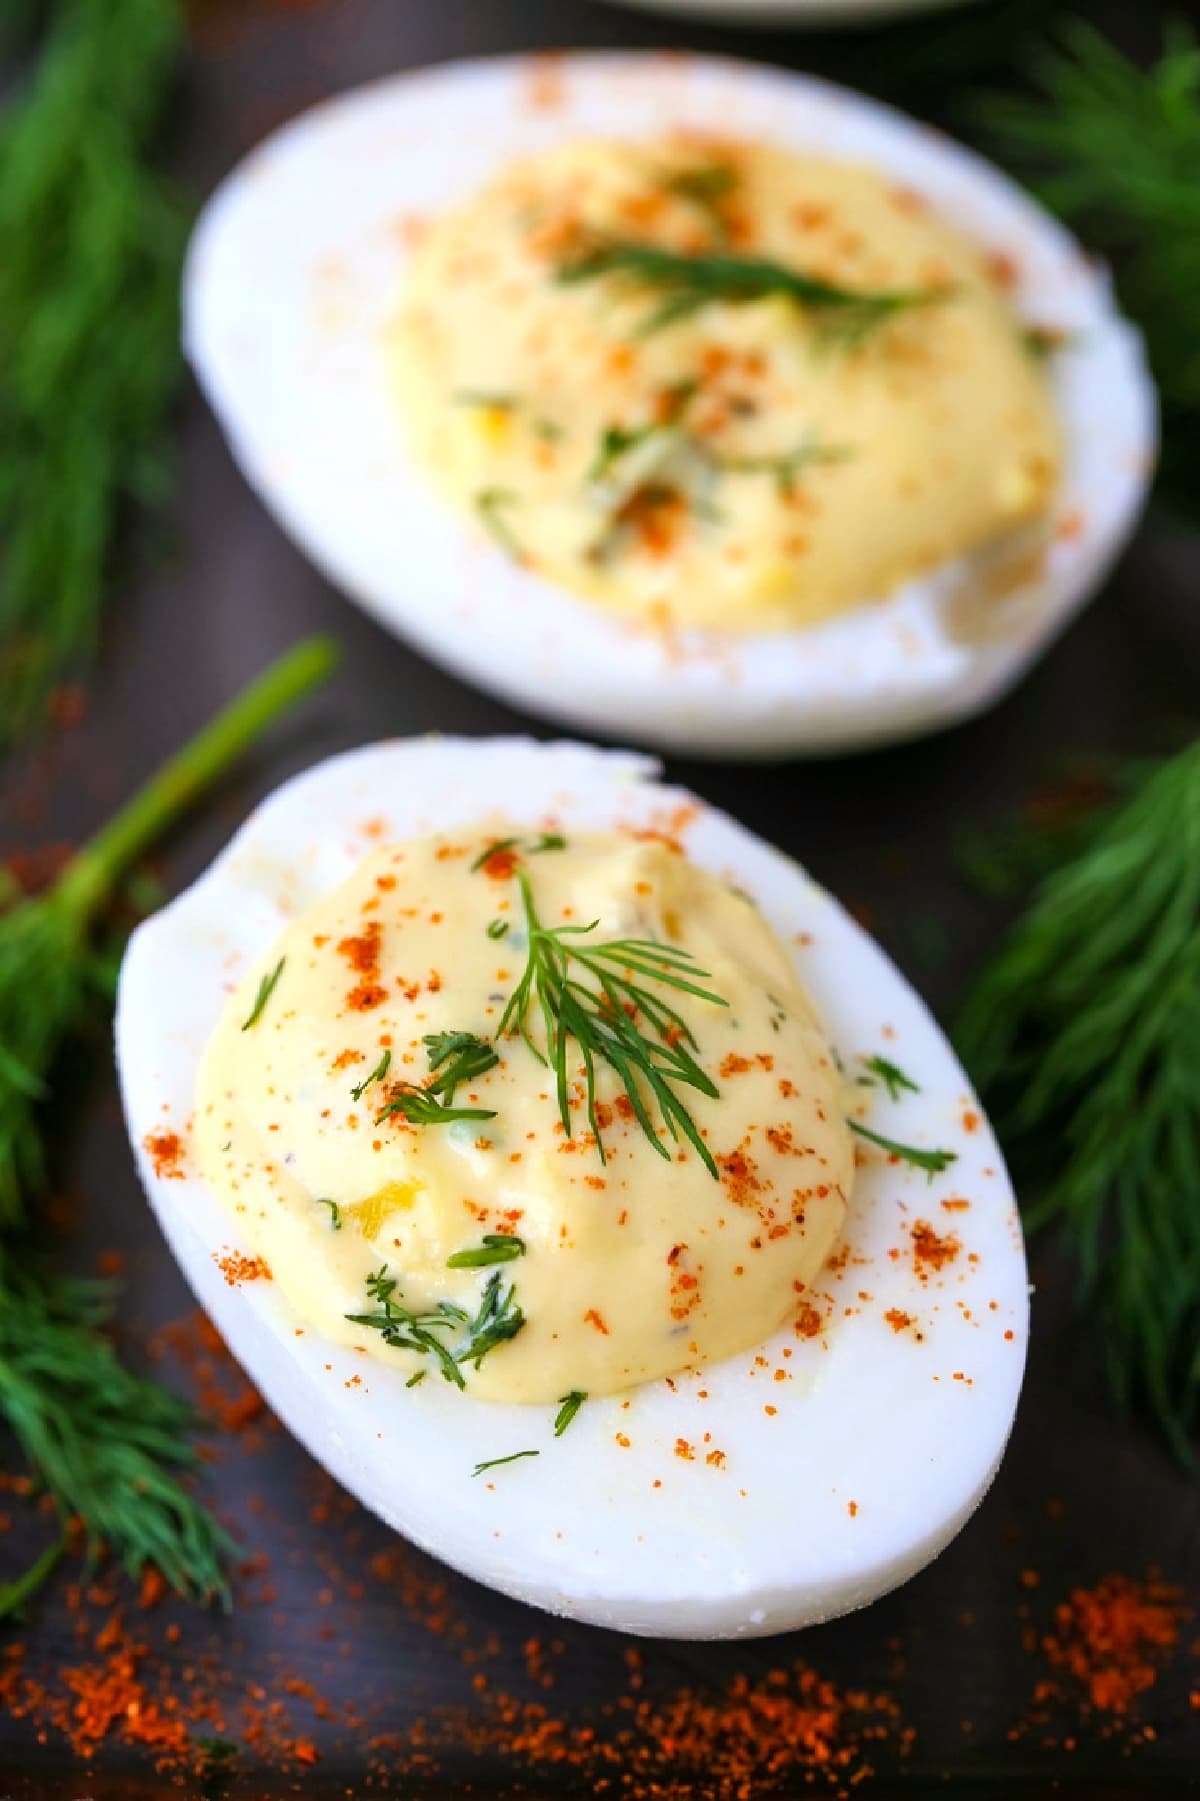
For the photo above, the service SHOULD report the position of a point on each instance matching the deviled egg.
(680, 399)
(580, 1185)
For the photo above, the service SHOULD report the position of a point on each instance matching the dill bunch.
(1115, 149)
(108, 1445)
(89, 331)
(1084, 1036)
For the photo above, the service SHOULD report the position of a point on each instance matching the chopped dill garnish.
(377, 1074)
(454, 1059)
(892, 1077)
(404, 1330)
(461, 1057)
(616, 441)
(533, 847)
(497, 928)
(498, 1319)
(789, 465)
(421, 1107)
(691, 282)
(335, 1212)
(932, 1162)
(266, 989)
(1041, 341)
(603, 1022)
(706, 186)
(568, 1407)
(494, 849)
(506, 403)
(417, 1378)
(491, 505)
(495, 1463)
(497, 1247)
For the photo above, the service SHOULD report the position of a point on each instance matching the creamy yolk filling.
(324, 1094)
(696, 442)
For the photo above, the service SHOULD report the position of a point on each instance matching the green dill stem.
(495, 1463)
(15, 1594)
(90, 875)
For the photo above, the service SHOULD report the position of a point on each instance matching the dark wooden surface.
(1081, 1491)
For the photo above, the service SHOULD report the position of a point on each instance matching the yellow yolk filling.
(756, 463)
(629, 1267)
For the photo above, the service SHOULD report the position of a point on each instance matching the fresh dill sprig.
(335, 1212)
(497, 1247)
(932, 1162)
(89, 328)
(691, 282)
(568, 1407)
(1115, 149)
(602, 1021)
(105, 1443)
(1084, 1036)
(498, 1319)
(108, 1445)
(266, 989)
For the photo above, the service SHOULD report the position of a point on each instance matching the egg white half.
(840, 1480)
(294, 273)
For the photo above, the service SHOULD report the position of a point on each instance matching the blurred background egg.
(296, 271)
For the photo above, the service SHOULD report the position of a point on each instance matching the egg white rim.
(857, 1468)
(294, 272)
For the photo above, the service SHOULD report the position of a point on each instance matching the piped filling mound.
(538, 1115)
(717, 384)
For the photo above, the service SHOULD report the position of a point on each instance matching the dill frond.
(108, 1445)
(89, 334)
(1115, 149)
(604, 1022)
(687, 283)
(1084, 1037)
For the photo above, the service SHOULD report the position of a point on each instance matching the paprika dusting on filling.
(392, 1127)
